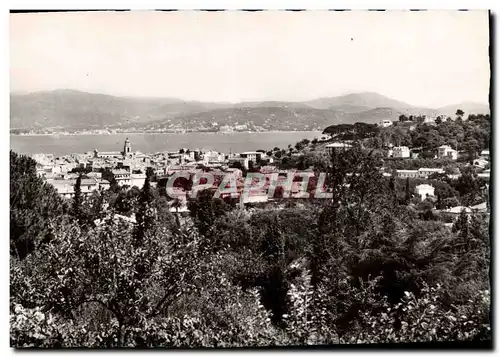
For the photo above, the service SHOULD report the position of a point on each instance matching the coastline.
(172, 132)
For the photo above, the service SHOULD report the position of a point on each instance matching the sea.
(158, 142)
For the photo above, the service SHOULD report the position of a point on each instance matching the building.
(103, 184)
(485, 174)
(335, 147)
(107, 154)
(407, 173)
(385, 123)
(127, 148)
(137, 179)
(122, 177)
(400, 152)
(457, 210)
(66, 188)
(426, 172)
(424, 191)
(212, 156)
(446, 152)
(127, 152)
(485, 154)
(429, 120)
(254, 156)
(480, 208)
(420, 173)
(480, 163)
(243, 161)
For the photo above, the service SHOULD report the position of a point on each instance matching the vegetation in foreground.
(364, 267)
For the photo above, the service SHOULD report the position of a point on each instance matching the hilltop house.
(446, 152)
(424, 191)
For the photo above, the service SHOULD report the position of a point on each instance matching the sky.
(425, 58)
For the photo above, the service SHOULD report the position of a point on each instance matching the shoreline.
(181, 133)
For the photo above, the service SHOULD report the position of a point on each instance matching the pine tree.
(407, 191)
(392, 189)
(77, 199)
(144, 219)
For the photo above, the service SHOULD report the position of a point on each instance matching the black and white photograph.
(250, 179)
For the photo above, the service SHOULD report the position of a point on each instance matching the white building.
(137, 180)
(401, 152)
(122, 177)
(485, 154)
(485, 174)
(430, 120)
(446, 152)
(66, 188)
(253, 156)
(385, 123)
(425, 172)
(212, 156)
(480, 163)
(424, 191)
(407, 173)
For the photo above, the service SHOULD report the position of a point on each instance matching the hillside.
(76, 110)
(362, 101)
(371, 116)
(467, 107)
(253, 118)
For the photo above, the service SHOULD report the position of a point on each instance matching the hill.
(251, 118)
(81, 110)
(371, 116)
(76, 110)
(361, 101)
(467, 107)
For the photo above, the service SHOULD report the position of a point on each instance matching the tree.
(460, 113)
(205, 210)
(77, 199)
(34, 204)
(87, 277)
(407, 191)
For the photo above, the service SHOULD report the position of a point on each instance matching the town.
(242, 179)
(128, 168)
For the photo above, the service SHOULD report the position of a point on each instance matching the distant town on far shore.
(67, 112)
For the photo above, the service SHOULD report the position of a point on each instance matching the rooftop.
(338, 145)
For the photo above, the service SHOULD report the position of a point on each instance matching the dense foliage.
(361, 267)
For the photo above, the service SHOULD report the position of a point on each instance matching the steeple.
(127, 149)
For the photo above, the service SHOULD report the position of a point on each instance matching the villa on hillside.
(446, 152)
(424, 191)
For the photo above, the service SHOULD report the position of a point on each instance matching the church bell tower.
(127, 149)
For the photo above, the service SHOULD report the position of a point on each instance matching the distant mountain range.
(75, 110)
